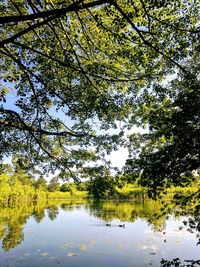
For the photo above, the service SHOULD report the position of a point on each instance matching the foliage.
(102, 183)
(5, 168)
(130, 191)
(75, 190)
(41, 183)
(17, 187)
(67, 195)
(176, 262)
(75, 68)
(53, 185)
(169, 153)
(68, 187)
(83, 186)
(12, 189)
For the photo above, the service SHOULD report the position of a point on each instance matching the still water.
(74, 233)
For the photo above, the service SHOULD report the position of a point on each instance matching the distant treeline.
(17, 185)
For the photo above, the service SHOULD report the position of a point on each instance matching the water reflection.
(149, 210)
(70, 224)
(13, 219)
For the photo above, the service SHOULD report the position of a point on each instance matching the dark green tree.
(102, 183)
(83, 186)
(41, 183)
(64, 187)
(170, 151)
(68, 187)
(53, 185)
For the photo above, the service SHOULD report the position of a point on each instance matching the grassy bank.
(131, 191)
(66, 195)
(42, 196)
(127, 192)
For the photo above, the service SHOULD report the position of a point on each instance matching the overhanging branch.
(79, 5)
(21, 125)
(146, 42)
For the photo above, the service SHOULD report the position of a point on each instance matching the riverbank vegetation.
(18, 186)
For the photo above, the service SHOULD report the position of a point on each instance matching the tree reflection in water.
(14, 218)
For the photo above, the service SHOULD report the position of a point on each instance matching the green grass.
(66, 195)
(131, 191)
(178, 190)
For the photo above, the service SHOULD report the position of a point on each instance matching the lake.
(74, 233)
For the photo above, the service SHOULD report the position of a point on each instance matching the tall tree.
(41, 183)
(170, 151)
(53, 185)
(74, 68)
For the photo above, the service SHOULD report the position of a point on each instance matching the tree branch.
(144, 40)
(23, 126)
(26, 30)
(79, 5)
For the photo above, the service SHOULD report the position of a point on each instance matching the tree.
(83, 186)
(22, 171)
(41, 183)
(6, 168)
(68, 187)
(53, 185)
(170, 152)
(102, 183)
(73, 65)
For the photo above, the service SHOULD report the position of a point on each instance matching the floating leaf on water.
(109, 241)
(120, 245)
(44, 254)
(83, 247)
(92, 242)
(66, 245)
(153, 253)
(71, 254)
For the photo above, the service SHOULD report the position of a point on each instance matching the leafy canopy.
(170, 151)
(70, 70)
